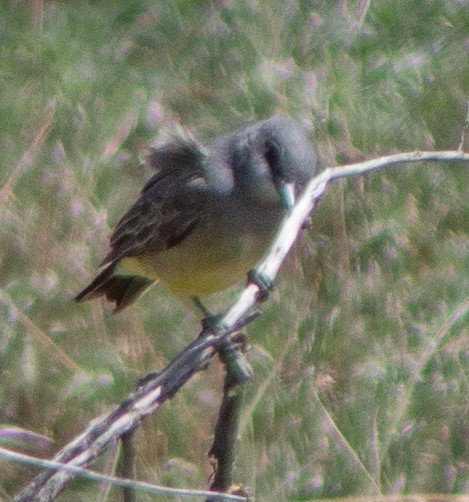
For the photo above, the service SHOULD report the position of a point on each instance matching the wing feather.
(169, 207)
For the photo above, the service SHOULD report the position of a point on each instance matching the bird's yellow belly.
(200, 265)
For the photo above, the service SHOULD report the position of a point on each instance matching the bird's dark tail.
(120, 289)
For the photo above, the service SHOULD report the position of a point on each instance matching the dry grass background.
(362, 355)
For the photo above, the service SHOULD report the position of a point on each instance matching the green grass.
(361, 357)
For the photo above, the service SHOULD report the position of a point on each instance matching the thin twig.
(222, 453)
(119, 482)
(127, 467)
(465, 128)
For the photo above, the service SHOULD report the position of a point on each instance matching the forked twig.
(104, 431)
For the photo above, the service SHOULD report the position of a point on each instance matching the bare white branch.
(312, 194)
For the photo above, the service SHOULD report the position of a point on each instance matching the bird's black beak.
(286, 191)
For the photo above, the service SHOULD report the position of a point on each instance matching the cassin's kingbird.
(208, 214)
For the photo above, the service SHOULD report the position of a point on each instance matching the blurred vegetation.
(362, 354)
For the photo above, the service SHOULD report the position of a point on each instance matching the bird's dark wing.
(169, 207)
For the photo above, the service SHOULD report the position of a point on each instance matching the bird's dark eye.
(272, 155)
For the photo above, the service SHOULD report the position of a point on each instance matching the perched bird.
(208, 214)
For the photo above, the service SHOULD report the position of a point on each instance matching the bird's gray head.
(269, 156)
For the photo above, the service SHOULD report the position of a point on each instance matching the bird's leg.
(263, 282)
(210, 321)
(200, 306)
